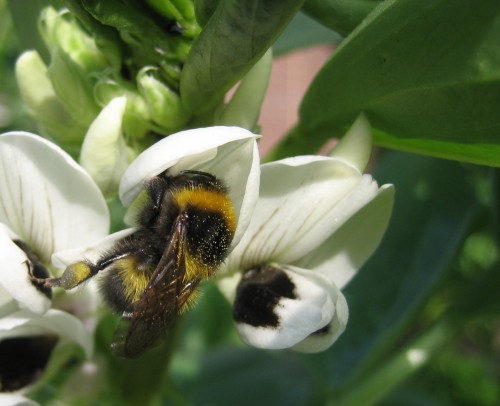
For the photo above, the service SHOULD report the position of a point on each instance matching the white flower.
(316, 222)
(228, 153)
(47, 204)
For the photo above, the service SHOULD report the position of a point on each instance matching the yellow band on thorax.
(208, 200)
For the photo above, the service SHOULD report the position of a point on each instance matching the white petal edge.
(178, 151)
(12, 399)
(25, 324)
(229, 153)
(46, 197)
(303, 200)
(14, 275)
(313, 309)
(343, 254)
(90, 252)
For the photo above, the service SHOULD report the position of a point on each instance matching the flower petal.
(325, 337)
(303, 200)
(11, 399)
(104, 153)
(228, 284)
(277, 307)
(92, 252)
(24, 324)
(343, 254)
(229, 153)
(14, 275)
(46, 198)
(7, 304)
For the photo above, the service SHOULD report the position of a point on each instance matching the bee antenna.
(199, 173)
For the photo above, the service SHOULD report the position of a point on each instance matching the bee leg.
(79, 272)
(184, 294)
(73, 275)
(38, 274)
(35, 279)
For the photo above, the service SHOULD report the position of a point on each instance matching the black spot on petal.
(258, 293)
(23, 360)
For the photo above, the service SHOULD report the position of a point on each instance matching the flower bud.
(164, 105)
(181, 11)
(104, 152)
(166, 9)
(72, 85)
(43, 104)
(244, 107)
(62, 30)
(136, 121)
(355, 147)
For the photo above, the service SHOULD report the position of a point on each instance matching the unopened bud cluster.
(84, 73)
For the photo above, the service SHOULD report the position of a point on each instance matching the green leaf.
(233, 40)
(427, 75)
(236, 376)
(495, 180)
(341, 16)
(303, 32)
(433, 210)
(204, 9)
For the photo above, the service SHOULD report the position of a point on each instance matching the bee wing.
(146, 325)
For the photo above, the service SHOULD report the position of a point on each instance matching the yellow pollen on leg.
(74, 275)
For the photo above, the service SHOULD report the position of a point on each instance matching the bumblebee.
(184, 232)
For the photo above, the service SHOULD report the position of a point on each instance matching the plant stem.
(142, 380)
